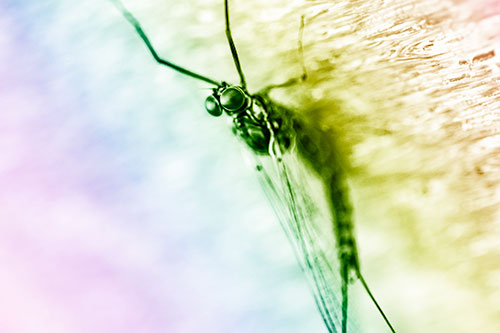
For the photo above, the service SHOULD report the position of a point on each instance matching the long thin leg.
(233, 47)
(300, 49)
(132, 20)
(365, 285)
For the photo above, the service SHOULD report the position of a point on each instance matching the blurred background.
(124, 207)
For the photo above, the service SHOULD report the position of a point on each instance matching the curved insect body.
(271, 130)
(300, 224)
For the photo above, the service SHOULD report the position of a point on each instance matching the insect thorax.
(261, 124)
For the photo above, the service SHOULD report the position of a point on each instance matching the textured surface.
(124, 208)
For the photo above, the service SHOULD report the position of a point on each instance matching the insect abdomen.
(316, 147)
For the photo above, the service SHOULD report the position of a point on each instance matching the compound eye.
(212, 106)
(232, 99)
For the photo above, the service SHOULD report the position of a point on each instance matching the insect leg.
(300, 49)
(135, 23)
(365, 285)
(233, 47)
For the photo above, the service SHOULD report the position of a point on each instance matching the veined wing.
(307, 224)
(319, 228)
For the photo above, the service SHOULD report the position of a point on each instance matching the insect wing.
(306, 220)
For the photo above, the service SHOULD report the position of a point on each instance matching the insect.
(273, 132)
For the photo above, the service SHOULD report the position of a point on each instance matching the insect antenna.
(365, 285)
(135, 23)
(234, 53)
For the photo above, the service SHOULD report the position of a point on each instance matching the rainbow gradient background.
(124, 207)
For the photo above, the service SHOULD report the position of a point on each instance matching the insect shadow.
(270, 129)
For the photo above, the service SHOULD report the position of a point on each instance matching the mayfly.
(273, 131)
